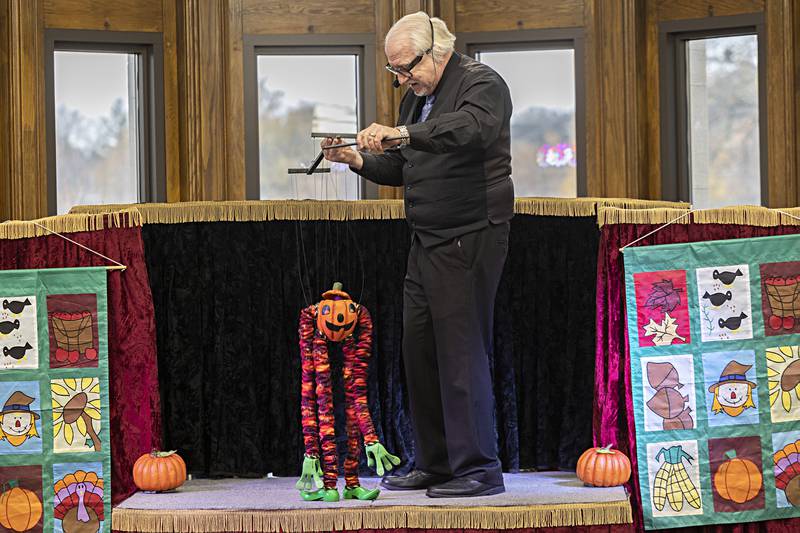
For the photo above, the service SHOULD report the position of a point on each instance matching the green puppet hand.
(312, 472)
(379, 459)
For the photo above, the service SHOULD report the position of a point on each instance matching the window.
(711, 113)
(292, 92)
(103, 146)
(547, 121)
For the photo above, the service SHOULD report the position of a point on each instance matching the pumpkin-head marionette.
(337, 319)
(337, 314)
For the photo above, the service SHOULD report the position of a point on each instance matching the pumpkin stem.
(337, 286)
(156, 453)
(730, 454)
(605, 449)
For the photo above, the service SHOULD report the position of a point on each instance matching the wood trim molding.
(202, 101)
(782, 154)
(172, 128)
(236, 187)
(615, 99)
(25, 176)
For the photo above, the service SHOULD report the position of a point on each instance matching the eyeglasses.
(406, 70)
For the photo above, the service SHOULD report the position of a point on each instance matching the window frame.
(673, 71)
(536, 40)
(360, 45)
(148, 46)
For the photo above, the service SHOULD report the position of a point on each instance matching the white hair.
(415, 31)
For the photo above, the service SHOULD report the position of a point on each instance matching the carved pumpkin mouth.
(335, 327)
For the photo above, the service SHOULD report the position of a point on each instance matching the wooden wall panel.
(652, 102)
(202, 116)
(308, 16)
(26, 180)
(616, 156)
(116, 15)
(172, 128)
(236, 187)
(5, 185)
(781, 112)
(503, 15)
(695, 9)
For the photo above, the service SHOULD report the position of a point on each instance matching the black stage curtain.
(227, 297)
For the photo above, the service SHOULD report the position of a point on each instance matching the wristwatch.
(405, 138)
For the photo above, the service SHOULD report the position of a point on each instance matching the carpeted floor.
(541, 488)
(273, 505)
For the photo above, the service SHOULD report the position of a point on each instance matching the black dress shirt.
(456, 171)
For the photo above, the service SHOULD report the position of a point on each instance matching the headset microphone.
(395, 83)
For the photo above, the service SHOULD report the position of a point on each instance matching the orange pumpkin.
(603, 467)
(738, 480)
(159, 471)
(20, 509)
(337, 314)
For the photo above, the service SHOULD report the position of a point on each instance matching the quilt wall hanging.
(714, 338)
(54, 427)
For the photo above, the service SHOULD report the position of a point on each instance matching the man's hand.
(341, 155)
(372, 138)
(378, 458)
(312, 472)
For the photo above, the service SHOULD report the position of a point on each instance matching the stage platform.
(543, 499)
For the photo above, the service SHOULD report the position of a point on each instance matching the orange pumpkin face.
(738, 480)
(20, 509)
(337, 314)
(159, 471)
(603, 467)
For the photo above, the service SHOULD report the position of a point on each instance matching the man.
(452, 155)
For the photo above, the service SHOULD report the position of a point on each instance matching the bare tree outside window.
(724, 155)
(96, 133)
(299, 94)
(543, 129)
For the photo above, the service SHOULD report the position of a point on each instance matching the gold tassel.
(373, 517)
(23, 229)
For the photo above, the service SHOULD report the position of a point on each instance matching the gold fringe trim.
(72, 223)
(748, 215)
(583, 207)
(616, 215)
(253, 211)
(247, 211)
(375, 517)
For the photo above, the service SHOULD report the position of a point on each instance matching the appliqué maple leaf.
(664, 333)
(663, 295)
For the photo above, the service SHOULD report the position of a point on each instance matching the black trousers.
(448, 313)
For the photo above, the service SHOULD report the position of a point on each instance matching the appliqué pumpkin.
(737, 480)
(20, 509)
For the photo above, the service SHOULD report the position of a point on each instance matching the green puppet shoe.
(360, 493)
(325, 495)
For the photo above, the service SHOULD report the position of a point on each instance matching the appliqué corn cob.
(660, 486)
(673, 481)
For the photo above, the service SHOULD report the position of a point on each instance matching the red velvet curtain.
(133, 376)
(613, 409)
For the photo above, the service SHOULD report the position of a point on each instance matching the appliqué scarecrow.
(336, 318)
